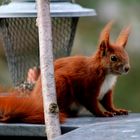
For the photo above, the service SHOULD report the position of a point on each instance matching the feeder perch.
(19, 33)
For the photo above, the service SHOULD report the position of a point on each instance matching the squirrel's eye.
(113, 58)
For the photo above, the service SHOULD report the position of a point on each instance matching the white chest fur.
(107, 84)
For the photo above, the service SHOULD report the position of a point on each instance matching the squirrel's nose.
(126, 68)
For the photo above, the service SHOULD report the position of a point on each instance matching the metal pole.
(51, 111)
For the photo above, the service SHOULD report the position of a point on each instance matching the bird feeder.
(19, 32)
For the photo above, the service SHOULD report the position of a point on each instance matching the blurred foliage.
(4, 2)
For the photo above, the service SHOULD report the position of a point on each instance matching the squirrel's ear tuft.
(123, 37)
(104, 36)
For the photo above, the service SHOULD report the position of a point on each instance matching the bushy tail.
(23, 110)
(15, 106)
(20, 109)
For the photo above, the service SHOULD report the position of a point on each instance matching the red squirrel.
(87, 81)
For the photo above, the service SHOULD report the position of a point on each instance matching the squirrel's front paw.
(106, 114)
(120, 112)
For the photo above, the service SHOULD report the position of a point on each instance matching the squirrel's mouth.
(119, 72)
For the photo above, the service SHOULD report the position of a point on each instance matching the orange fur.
(79, 79)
